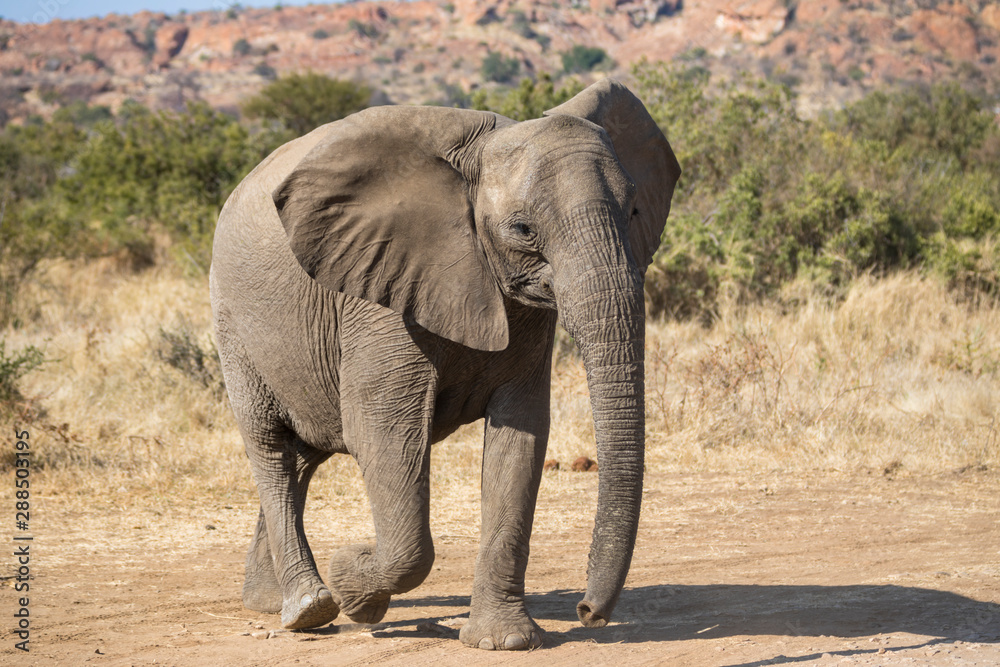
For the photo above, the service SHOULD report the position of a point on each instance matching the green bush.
(520, 24)
(14, 366)
(75, 193)
(497, 68)
(303, 102)
(528, 100)
(902, 178)
(167, 170)
(264, 70)
(241, 47)
(180, 349)
(585, 59)
(369, 30)
(33, 222)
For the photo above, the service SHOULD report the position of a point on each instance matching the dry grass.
(897, 377)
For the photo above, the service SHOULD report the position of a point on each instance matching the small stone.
(584, 464)
(881, 650)
(209, 526)
(260, 634)
(551, 464)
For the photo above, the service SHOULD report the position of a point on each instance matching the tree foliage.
(768, 200)
(497, 68)
(528, 100)
(303, 102)
(585, 59)
(70, 190)
(901, 178)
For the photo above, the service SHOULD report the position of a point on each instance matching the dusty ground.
(730, 569)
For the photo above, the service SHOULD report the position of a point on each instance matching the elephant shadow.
(676, 613)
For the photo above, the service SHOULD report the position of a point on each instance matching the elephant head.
(443, 214)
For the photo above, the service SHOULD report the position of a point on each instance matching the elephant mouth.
(532, 289)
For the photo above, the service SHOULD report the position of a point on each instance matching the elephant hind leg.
(278, 466)
(261, 589)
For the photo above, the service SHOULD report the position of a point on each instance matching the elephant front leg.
(388, 401)
(364, 578)
(305, 601)
(513, 455)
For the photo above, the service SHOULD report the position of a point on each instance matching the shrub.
(496, 67)
(303, 102)
(368, 30)
(528, 100)
(901, 178)
(146, 171)
(241, 47)
(520, 24)
(264, 70)
(585, 59)
(14, 366)
(81, 114)
(180, 349)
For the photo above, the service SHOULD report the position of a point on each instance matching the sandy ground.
(729, 569)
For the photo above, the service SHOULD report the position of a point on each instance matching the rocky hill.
(431, 50)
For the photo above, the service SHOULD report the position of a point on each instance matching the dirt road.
(729, 570)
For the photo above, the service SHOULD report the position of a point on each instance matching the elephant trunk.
(604, 313)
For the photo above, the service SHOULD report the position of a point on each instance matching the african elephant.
(391, 276)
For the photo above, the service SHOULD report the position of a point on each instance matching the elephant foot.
(368, 611)
(502, 633)
(264, 596)
(354, 579)
(309, 609)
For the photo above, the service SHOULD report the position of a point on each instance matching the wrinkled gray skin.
(394, 275)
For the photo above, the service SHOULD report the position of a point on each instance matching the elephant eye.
(521, 229)
(635, 212)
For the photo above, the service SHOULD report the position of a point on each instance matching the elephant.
(391, 276)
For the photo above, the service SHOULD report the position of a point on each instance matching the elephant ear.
(380, 209)
(642, 150)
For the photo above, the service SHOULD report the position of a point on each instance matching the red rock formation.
(169, 42)
(948, 33)
(412, 49)
(754, 20)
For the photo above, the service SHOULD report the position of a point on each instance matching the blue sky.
(40, 11)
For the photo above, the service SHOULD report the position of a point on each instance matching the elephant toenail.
(514, 642)
(306, 600)
(486, 643)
